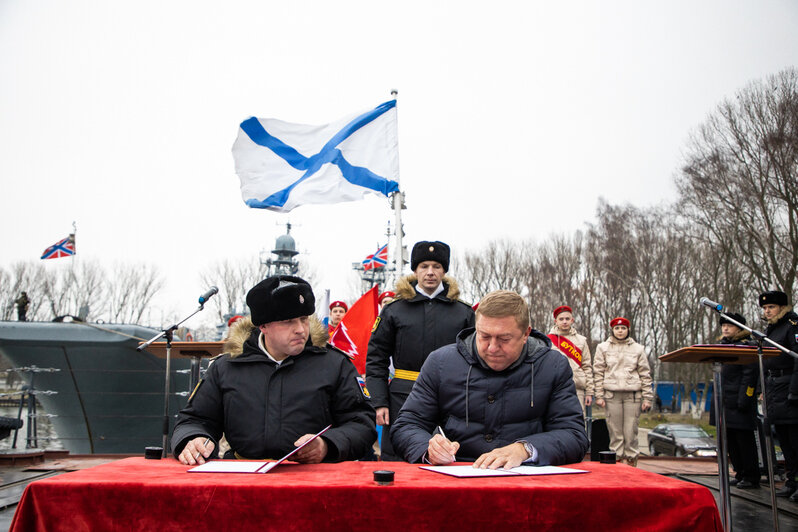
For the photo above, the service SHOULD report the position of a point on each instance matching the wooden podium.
(717, 355)
(722, 353)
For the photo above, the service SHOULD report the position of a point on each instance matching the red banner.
(353, 333)
(565, 346)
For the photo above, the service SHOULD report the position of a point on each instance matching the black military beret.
(732, 315)
(772, 297)
(437, 251)
(281, 297)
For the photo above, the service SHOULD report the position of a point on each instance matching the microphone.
(711, 304)
(207, 295)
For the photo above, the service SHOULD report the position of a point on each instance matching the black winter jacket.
(262, 408)
(534, 400)
(781, 372)
(408, 330)
(739, 389)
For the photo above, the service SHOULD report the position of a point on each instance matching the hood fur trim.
(242, 329)
(405, 289)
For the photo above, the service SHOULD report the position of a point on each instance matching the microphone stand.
(168, 334)
(760, 338)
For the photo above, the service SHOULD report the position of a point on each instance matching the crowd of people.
(448, 382)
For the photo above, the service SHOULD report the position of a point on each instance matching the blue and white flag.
(283, 165)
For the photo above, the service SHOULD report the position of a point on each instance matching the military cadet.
(573, 346)
(425, 315)
(781, 383)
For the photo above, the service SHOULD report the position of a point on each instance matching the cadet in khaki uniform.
(567, 341)
(623, 385)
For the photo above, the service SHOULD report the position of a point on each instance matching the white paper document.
(470, 471)
(248, 466)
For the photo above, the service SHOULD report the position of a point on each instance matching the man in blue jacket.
(500, 395)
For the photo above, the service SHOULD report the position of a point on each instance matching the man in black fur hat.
(425, 315)
(277, 391)
(781, 383)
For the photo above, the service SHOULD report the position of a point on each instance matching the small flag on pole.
(377, 260)
(62, 248)
(283, 165)
(353, 333)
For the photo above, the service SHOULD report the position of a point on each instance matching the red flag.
(353, 333)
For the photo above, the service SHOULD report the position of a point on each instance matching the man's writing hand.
(441, 451)
(196, 451)
(312, 453)
(507, 457)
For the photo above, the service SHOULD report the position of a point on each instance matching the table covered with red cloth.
(139, 494)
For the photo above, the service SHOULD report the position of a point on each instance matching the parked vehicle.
(676, 439)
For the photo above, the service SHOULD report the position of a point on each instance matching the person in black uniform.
(278, 391)
(425, 316)
(781, 383)
(739, 407)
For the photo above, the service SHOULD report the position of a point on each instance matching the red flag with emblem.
(353, 333)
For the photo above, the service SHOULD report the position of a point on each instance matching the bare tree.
(740, 179)
(234, 278)
(23, 277)
(130, 292)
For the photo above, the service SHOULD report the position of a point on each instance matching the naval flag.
(376, 260)
(62, 248)
(282, 165)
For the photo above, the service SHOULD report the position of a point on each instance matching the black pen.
(203, 446)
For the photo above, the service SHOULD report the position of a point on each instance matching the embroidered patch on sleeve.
(362, 383)
(377, 322)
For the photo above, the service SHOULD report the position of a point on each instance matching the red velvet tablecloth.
(139, 494)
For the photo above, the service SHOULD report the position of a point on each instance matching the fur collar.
(406, 287)
(742, 335)
(784, 311)
(242, 329)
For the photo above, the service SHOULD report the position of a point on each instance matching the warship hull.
(109, 398)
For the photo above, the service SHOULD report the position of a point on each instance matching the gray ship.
(109, 397)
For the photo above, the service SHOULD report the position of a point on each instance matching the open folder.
(249, 466)
(471, 471)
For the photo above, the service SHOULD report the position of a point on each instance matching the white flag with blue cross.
(283, 165)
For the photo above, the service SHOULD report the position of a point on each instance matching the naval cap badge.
(301, 298)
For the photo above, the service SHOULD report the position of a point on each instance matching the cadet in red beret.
(338, 310)
(623, 385)
(574, 347)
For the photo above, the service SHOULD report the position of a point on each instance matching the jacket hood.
(406, 287)
(778, 317)
(536, 346)
(242, 330)
(627, 340)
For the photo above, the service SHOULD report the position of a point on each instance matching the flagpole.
(398, 199)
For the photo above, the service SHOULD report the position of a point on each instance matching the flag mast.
(398, 203)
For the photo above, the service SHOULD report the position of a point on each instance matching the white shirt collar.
(431, 296)
(263, 348)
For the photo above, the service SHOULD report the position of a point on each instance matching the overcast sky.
(514, 117)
